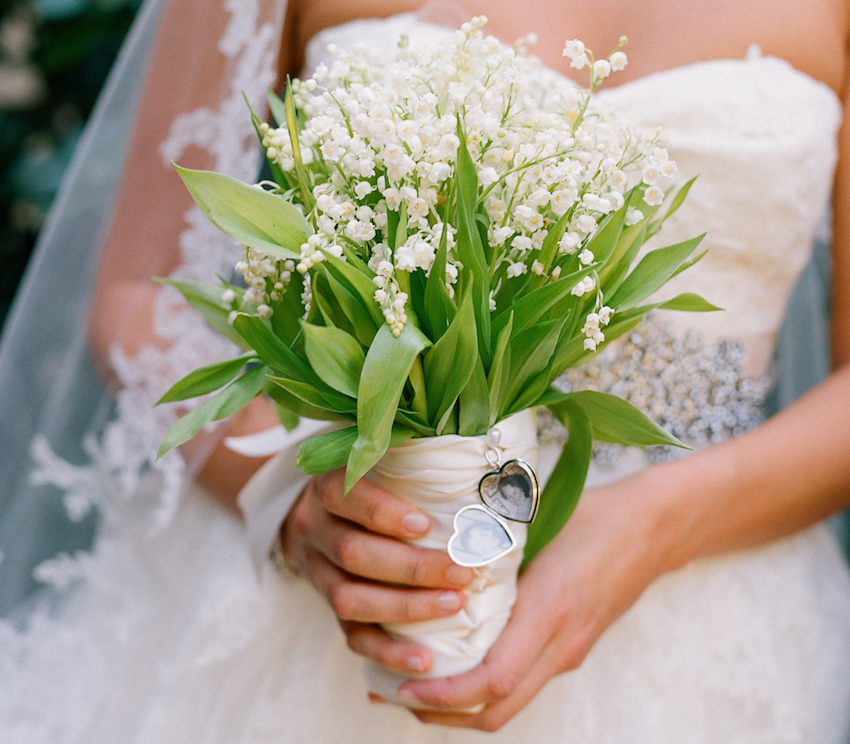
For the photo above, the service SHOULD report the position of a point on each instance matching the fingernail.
(407, 695)
(416, 523)
(459, 575)
(415, 664)
(449, 601)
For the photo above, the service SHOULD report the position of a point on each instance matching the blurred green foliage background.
(54, 57)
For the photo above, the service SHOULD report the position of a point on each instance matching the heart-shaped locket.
(512, 491)
(479, 537)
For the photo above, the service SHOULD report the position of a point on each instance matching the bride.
(688, 600)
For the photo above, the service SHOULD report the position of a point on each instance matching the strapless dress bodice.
(760, 136)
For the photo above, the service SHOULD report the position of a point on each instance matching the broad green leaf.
(689, 302)
(619, 264)
(223, 404)
(287, 311)
(248, 214)
(360, 283)
(602, 244)
(652, 272)
(330, 451)
(353, 307)
(474, 416)
(690, 262)
(533, 306)
(677, 200)
(449, 362)
(616, 420)
(564, 487)
(206, 299)
(335, 357)
(439, 308)
(304, 391)
(206, 379)
(531, 354)
(414, 422)
(385, 371)
(294, 405)
(500, 369)
(271, 349)
(469, 248)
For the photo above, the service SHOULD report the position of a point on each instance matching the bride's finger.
(365, 602)
(501, 673)
(371, 556)
(374, 644)
(496, 715)
(371, 507)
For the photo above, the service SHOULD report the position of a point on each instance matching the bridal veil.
(69, 442)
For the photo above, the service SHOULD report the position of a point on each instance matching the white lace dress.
(169, 636)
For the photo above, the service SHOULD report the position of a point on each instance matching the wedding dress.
(167, 634)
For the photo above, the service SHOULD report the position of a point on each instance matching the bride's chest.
(663, 34)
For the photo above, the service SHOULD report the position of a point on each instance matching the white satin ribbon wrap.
(440, 475)
(266, 499)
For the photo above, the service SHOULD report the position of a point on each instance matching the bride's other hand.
(596, 568)
(351, 549)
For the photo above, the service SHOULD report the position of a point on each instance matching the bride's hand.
(351, 550)
(596, 568)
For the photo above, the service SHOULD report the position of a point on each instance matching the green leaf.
(353, 307)
(533, 306)
(271, 349)
(602, 244)
(248, 214)
(689, 302)
(297, 407)
(500, 369)
(206, 299)
(564, 487)
(679, 198)
(223, 404)
(652, 272)
(449, 362)
(206, 379)
(344, 406)
(385, 371)
(277, 107)
(439, 308)
(359, 283)
(330, 451)
(616, 420)
(335, 357)
(469, 248)
(474, 417)
(531, 354)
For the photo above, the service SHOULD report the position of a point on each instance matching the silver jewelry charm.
(512, 491)
(480, 537)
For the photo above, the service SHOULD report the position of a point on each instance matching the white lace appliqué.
(126, 449)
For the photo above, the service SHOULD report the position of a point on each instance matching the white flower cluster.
(591, 328)
(266, 279)
(379, 147)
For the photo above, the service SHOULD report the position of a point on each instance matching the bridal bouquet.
(446, 232)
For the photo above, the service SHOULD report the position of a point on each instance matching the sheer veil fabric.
(70, 443)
